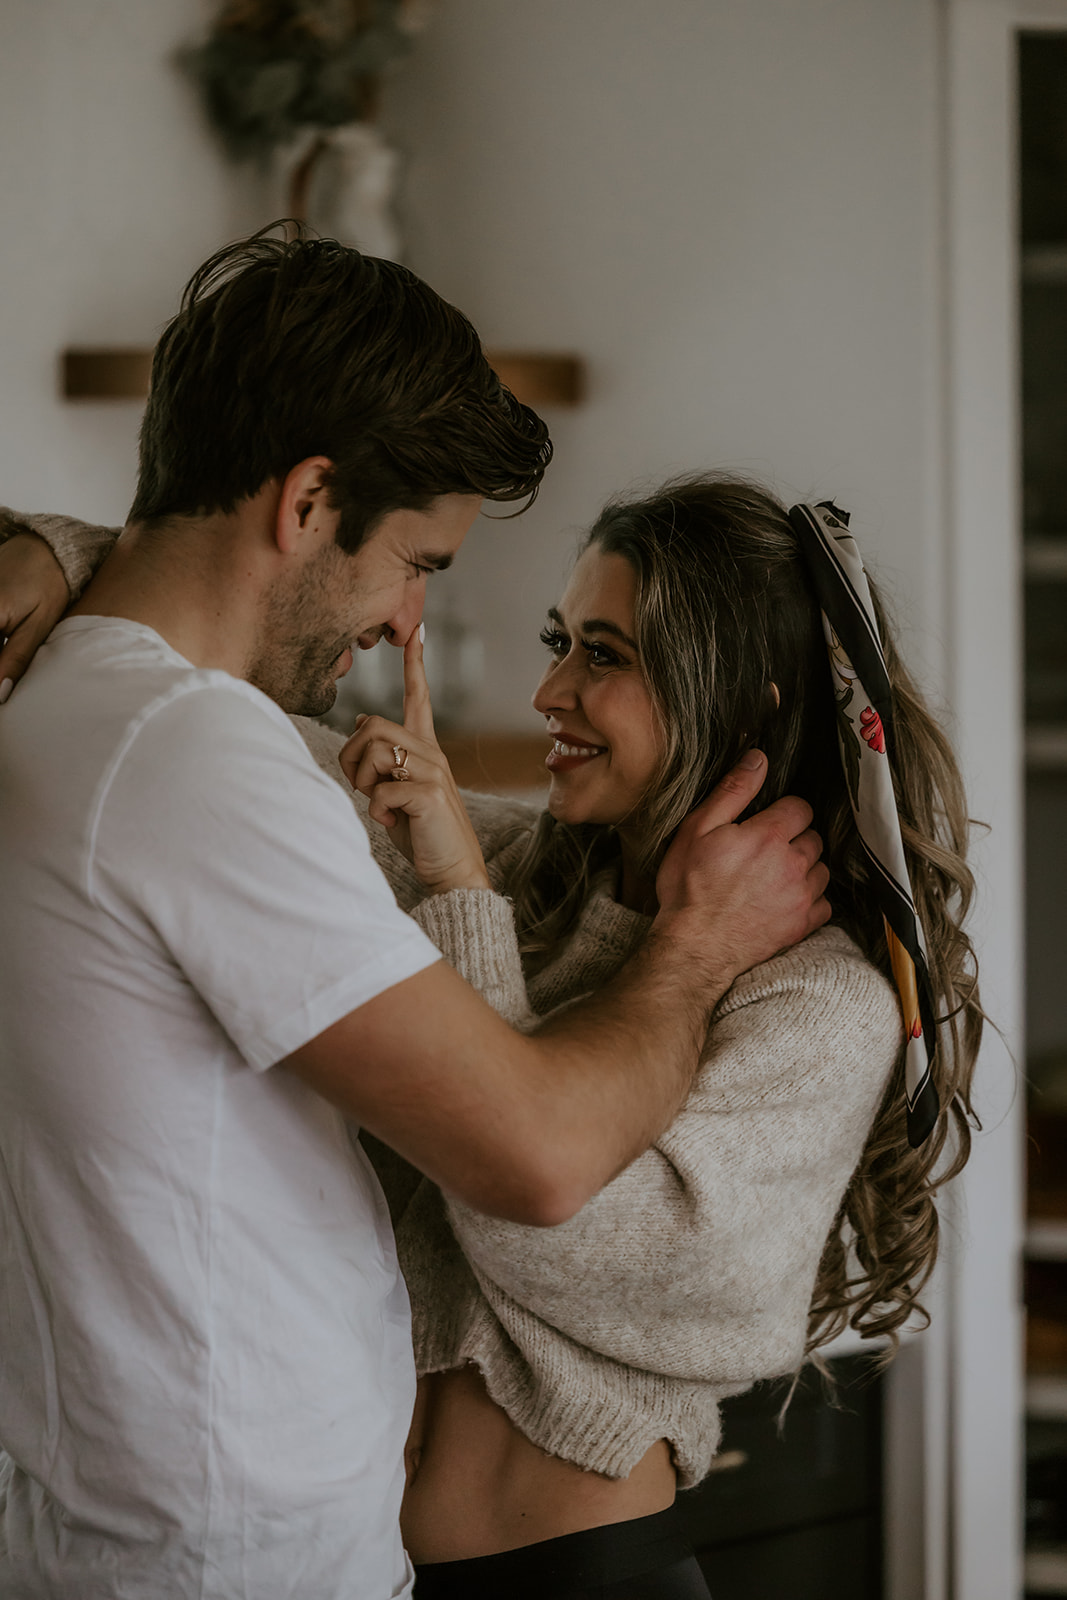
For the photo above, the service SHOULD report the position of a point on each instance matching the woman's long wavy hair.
(724, 610)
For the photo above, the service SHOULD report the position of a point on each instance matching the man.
(207, 1375)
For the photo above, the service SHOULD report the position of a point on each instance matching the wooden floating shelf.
(540, 380)
(1045, 1572)
(1046, 1239)
(1045, 558)
(116, 374)
(1046, 747)
(106, 374)
(1044, 263)
(1046, 1397)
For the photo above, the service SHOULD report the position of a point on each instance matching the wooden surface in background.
(106, 374)
(498, 763)
(540, 380)
(118, 374)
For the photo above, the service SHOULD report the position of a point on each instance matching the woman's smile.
(568, 752)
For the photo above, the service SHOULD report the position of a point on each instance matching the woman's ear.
(305, 519)
(772, 697)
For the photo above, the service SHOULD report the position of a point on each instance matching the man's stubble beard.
(294, 662)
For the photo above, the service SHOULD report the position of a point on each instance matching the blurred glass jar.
(455, 663)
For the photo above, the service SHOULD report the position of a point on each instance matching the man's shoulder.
(204, 735)
(210, 767)
(101, 680)
(202, 706)
(144, 724)
(97, 700)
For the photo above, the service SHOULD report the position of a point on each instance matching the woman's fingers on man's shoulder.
(33, 597)
(23, 639)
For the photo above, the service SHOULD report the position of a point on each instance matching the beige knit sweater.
(689, 1277)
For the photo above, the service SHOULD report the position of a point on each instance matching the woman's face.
(609, 745)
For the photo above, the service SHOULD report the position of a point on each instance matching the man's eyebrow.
(437, 562)
(596, 625)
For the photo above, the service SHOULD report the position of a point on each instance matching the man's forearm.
(523, 1127)
(617, 1066)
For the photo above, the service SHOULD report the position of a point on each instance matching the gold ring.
(400, 764)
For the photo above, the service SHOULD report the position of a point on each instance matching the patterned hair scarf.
(864, 705)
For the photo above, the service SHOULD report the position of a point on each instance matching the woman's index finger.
(418, 709)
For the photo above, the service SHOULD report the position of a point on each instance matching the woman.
(570, 1378)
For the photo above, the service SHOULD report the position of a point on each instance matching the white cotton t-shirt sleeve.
(217, 836)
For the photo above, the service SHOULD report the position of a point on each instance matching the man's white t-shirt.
(206, 1373)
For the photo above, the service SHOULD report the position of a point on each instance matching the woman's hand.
(424, 813)
(33, 597)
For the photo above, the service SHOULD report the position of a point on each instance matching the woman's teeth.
(562, 749)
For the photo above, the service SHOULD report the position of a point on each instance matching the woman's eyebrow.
(596, 625)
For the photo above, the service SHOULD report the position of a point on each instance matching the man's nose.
(406, 617)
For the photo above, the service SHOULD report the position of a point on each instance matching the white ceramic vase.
(350, 186)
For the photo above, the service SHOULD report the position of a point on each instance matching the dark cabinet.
(793, 1511)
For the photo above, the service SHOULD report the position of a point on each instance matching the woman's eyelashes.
(555, 642)
(559, 645)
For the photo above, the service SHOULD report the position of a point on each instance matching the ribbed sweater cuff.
(79, 547)
(474, 929)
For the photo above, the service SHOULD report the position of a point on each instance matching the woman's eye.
(600, 655)
(555, 641)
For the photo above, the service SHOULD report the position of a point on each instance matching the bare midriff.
(477, 1486)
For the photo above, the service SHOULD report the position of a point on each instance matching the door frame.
(954, 1408)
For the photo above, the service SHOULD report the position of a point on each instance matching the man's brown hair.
(290, 348)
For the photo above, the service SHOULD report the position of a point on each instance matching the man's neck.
(196, 585)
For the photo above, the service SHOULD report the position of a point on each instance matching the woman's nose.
(556, 691)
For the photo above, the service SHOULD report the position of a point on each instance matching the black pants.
(648, 1558)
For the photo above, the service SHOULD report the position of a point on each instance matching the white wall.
(111, 192)
(731, 211)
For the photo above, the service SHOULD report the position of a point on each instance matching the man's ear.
(305, 520)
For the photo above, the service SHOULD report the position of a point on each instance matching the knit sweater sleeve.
(79, 547)
(699, 1260)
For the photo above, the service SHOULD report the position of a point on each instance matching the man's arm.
(529, 1128)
